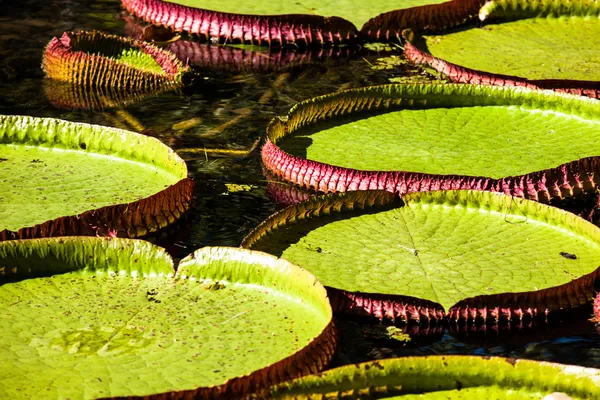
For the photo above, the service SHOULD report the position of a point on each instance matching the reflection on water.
(68, 96)
(214, 124)
(565, 341)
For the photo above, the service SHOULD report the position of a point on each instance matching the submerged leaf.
(68, 95)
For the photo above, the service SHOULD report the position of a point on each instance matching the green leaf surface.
(55, 168)
(506, 133)
(356, 12)
(447, 377)
(118, 324)
(439, 246)
(137, 58)
(535, 48)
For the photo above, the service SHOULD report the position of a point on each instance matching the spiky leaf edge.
(505, 306)
(436, 18)
(567, 180)
(272, 30)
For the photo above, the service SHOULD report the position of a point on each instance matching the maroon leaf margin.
(458, 74)
(486, 308)
(567, 180)
(227, 27)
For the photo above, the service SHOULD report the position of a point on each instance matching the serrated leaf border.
(428, 18)
(272, 30)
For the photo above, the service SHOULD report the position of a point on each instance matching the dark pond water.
(228, 110)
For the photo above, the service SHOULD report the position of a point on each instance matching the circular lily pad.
(266, 22)
(552, 45)
(460, 254)
(448, 377)
(97, 60)
(65, 178)
(407, 138)
(100, 317)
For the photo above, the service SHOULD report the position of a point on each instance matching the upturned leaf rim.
(563, 181)
(27, 259)
(145, 216)
(430, 374)
(485, 307)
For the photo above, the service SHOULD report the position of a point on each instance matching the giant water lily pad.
(552, 45)
(447, 377)
(266, 21)
(65, 178)
(407, 138)
(464, 254)
(99, 317)
(68, 95)
(103, 62)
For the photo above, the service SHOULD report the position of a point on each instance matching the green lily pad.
(494, 141)
(421, 137)
(447, 377)
(65, 178)
(551, 45)
(98, 317)
(536, 48)
(461, 252)
(540, 45)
